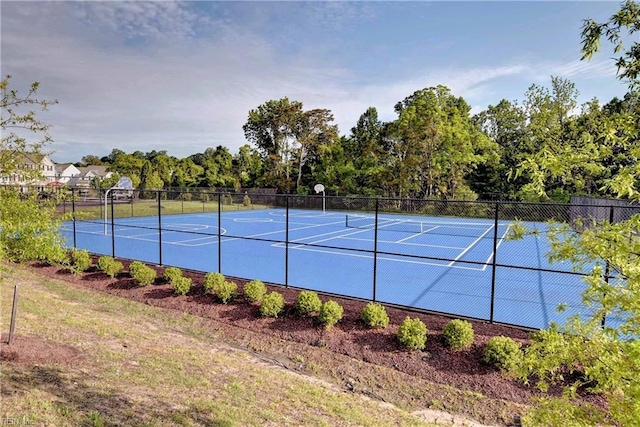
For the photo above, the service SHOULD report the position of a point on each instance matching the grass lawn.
(141, 365)
(150, 207)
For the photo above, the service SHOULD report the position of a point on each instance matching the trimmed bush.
(80, 261)
(458, 334)
(171, 274)
(225, 291)
(375, 315)
(412, 333)
(110, 266)
(142, 274)
(502, 353)
(254, 291)
(181, 285)
(330, 313)
(308, 302)
(246, 200)
(272, 305)
(211, 280)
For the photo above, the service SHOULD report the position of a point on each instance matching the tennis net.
(467, 229)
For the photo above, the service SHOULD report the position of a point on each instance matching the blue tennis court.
(440, 264)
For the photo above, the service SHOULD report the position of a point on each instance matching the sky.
(183, 76)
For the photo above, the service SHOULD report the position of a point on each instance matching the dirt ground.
(363, 360)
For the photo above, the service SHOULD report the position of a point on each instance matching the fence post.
(14, 313)
(493, 263)
(375, 250)
(159, 228)
(73, 215)
(113, 229)
(607, 269)
(286, 243)
(219, 233)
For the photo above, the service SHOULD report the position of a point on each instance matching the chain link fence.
(443, 256)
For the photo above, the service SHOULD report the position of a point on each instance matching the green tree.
(607, 357)
(506, 124)
(29, 228)
(435, 144)
(369, 154)
(314, 133)
(271, 128)
(149, 180)
(248, 166)
(16, 121)
(624, 20)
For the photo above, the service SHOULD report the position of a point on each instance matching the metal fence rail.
(512, 278)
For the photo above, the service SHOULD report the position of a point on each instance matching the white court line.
(422, 245)
(304, 248)
(486, 263)
(343, 235)
(415, 235)
(282, 231)
(470, 246)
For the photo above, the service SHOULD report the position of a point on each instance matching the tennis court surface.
(459, 266)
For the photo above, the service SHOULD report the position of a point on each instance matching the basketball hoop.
(319, 188)
(123, 183)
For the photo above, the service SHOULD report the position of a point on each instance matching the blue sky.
(182, 76)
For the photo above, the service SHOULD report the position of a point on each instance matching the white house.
(29, 163)
(87, 174)
(66, 171)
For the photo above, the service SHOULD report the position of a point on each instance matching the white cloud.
(139, 76)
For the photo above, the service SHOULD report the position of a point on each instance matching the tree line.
(435, 148)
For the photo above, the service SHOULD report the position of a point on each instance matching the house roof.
(98, 170)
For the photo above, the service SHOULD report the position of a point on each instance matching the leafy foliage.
(626, 18)
(29, 229)
(171, 274)
(13, 147)
(503, 353)
(458, 334)
(211, 281)
(110, 266)
(412, 333)
(225, 291)
(308, 302)
(254, 291)
(272, 305)
(80, 261)
(330, 313)
(142, 274)
(181, 285)
(375, 315)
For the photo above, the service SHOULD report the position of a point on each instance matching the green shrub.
(272, 305)
(211, 281)
(254, 291)
(308, 302)
(142, 274)
(110, 266)
(227, 199)
(186, 196)
(181, 285)
(171, 274)
(225, 291)
(375, 315)
(502, 353)
(246, 200)
(30, 228)
(458, 334)
(412, 333)
(80, 261)
(330, 313)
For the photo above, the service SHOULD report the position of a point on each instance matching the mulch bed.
(350, 337)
